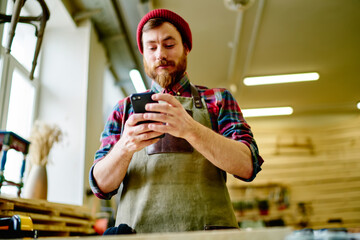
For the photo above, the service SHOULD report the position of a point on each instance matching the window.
(21, 104)
(18, 93)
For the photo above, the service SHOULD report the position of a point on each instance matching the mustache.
(164, 63)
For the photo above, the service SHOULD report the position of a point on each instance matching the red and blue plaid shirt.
(225, 115)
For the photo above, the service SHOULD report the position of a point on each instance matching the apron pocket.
(170, 144)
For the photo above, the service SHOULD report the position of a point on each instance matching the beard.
(166, 79)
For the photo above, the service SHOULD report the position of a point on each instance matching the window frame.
(8, 64)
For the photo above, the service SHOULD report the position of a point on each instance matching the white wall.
(112, 94)
(72, 68)
(94, 106)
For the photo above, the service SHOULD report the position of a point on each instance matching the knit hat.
(181, 25)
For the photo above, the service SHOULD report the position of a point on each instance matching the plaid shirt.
(225, 115)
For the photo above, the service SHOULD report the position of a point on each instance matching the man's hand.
(137, 136)
(110, 171)
(176, 121)
(229, 155)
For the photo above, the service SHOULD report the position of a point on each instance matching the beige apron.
(175, 191)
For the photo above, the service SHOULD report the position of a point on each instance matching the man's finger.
(135, 119)
(166, 98)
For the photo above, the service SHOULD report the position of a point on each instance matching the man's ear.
(186, 49)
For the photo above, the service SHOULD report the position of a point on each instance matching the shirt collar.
(178, 88)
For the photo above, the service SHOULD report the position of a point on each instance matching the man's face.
(164, 55)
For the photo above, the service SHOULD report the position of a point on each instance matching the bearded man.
(178, 182)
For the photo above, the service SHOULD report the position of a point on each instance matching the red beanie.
(181, 25)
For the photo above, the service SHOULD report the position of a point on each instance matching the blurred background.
(310, 177)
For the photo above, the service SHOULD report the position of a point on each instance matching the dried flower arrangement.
(42, 138)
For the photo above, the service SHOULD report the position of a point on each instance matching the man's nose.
(160, 53)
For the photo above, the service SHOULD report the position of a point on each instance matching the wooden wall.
(320, 167)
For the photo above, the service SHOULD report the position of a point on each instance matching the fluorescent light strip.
(137, 80)
(262, 112)
(358, 105)
(285, 78)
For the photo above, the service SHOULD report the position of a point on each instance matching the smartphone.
(139, 100)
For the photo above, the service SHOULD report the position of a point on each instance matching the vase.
(35, 186)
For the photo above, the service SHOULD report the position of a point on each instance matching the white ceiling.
(277, 37)
(270, 37)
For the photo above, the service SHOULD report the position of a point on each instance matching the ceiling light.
(358, 105)
(262, 112)
(137, 80)
(238, 5)
(285, 78)
(233, 88)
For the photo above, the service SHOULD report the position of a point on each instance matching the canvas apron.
(174, 189)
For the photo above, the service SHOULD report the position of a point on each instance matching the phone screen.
(138, 101)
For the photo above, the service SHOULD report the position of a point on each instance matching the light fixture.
(137, 80)
(238, 5)
(285, 78)
(262, 112)
(358, 105)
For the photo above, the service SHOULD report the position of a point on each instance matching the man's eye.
(170, 45)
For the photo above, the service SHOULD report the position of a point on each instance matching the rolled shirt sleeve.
(227, 120)
(110, 135)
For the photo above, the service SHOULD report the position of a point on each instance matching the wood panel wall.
(320, 167)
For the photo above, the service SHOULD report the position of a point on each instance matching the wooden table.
(64, 221)
(255, 234)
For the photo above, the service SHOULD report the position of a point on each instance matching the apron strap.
(196, 96)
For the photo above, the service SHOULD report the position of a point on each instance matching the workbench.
(254, 234)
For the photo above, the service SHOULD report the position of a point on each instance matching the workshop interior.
(292, 66)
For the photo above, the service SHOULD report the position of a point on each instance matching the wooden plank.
(326, 188)
(346, 211)
(324, 206)
(319, 198)
(345, 194)
(6, 206)
(49, 218)
(334, 225)
(27, 206)
(351, 161)
(326, 218)
(48, 207)
(59, 228)
(314, 169)
(345, 216)
(287, 177)
(294, 183)
(329, 180)
(43, 204)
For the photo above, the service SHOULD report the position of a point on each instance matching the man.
(174, 183)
